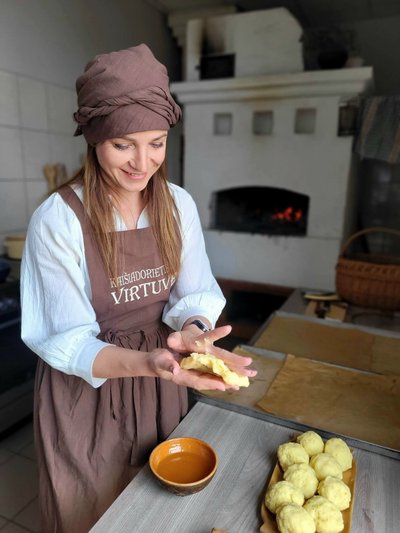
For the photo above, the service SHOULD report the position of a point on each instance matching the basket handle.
(364, 232)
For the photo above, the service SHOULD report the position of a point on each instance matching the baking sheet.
(245, 400)
(334, 342)
(345, 401)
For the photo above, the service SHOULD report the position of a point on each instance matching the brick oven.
(268, 160)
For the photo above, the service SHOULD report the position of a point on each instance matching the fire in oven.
(265, 210)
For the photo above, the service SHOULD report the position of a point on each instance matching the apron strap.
(93, 258)
(70, 197)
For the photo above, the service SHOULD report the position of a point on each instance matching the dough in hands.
(336, 491)
(327, 517)
(210, 364)
(292, 518)
(340, 451)
(311, 442)
(282, 493)
(303, 477)
(290, 453)
(326, 465)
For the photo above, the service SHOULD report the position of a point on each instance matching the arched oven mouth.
(258, 209)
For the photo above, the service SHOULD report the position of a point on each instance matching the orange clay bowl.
(184, 465)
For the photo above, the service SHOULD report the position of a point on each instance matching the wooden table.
(246, 448)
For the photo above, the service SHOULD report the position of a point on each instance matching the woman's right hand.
(165, 365)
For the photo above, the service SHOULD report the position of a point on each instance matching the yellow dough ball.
(311, 442)
(326, 465)
(340, 451)
(336, 491)
(303, 477)
(282, 493)
(294, 519)
(290, 453)
(209, 364)
(327, 517)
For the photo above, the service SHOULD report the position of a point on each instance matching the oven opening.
(265, 210)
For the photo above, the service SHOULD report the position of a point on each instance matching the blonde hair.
(98, 192)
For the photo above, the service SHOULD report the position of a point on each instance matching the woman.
(114, 263)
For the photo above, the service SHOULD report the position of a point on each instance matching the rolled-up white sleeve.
(58, 321)
(195, 291)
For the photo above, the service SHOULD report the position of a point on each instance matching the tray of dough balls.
(311, 489)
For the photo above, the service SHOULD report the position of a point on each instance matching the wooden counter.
(246, 449)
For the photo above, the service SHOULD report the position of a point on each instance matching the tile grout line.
(16, 524)
(13, 455)
(18, 454)
(13, 519)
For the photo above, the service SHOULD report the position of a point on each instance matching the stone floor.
(18, 482)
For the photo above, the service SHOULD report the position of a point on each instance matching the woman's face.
(133, 159)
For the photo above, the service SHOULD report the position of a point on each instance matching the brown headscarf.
(124, 92)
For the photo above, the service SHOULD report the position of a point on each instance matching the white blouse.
(58, 320)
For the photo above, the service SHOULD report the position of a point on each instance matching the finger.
(201, 381)
(249, 372)
(215, 334)
(174, 340)
(236, 363)
(230, 358)
(168, 364)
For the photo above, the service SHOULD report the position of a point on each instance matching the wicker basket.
(369, 281)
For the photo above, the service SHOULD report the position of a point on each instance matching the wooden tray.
(269, 522)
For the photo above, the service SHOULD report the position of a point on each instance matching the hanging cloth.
(378, 131)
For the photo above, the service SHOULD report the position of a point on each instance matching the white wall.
(45, 45)
(52, 39)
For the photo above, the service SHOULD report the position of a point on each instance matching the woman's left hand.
(188, 341)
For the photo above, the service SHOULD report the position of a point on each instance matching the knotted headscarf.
(124, 92)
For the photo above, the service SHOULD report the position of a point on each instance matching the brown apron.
(90, 442)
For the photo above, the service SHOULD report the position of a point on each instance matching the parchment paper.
(332, 343)
(361, 405)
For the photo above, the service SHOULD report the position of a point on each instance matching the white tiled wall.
(36, 127)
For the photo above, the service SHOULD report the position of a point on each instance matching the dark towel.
(378, 132)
